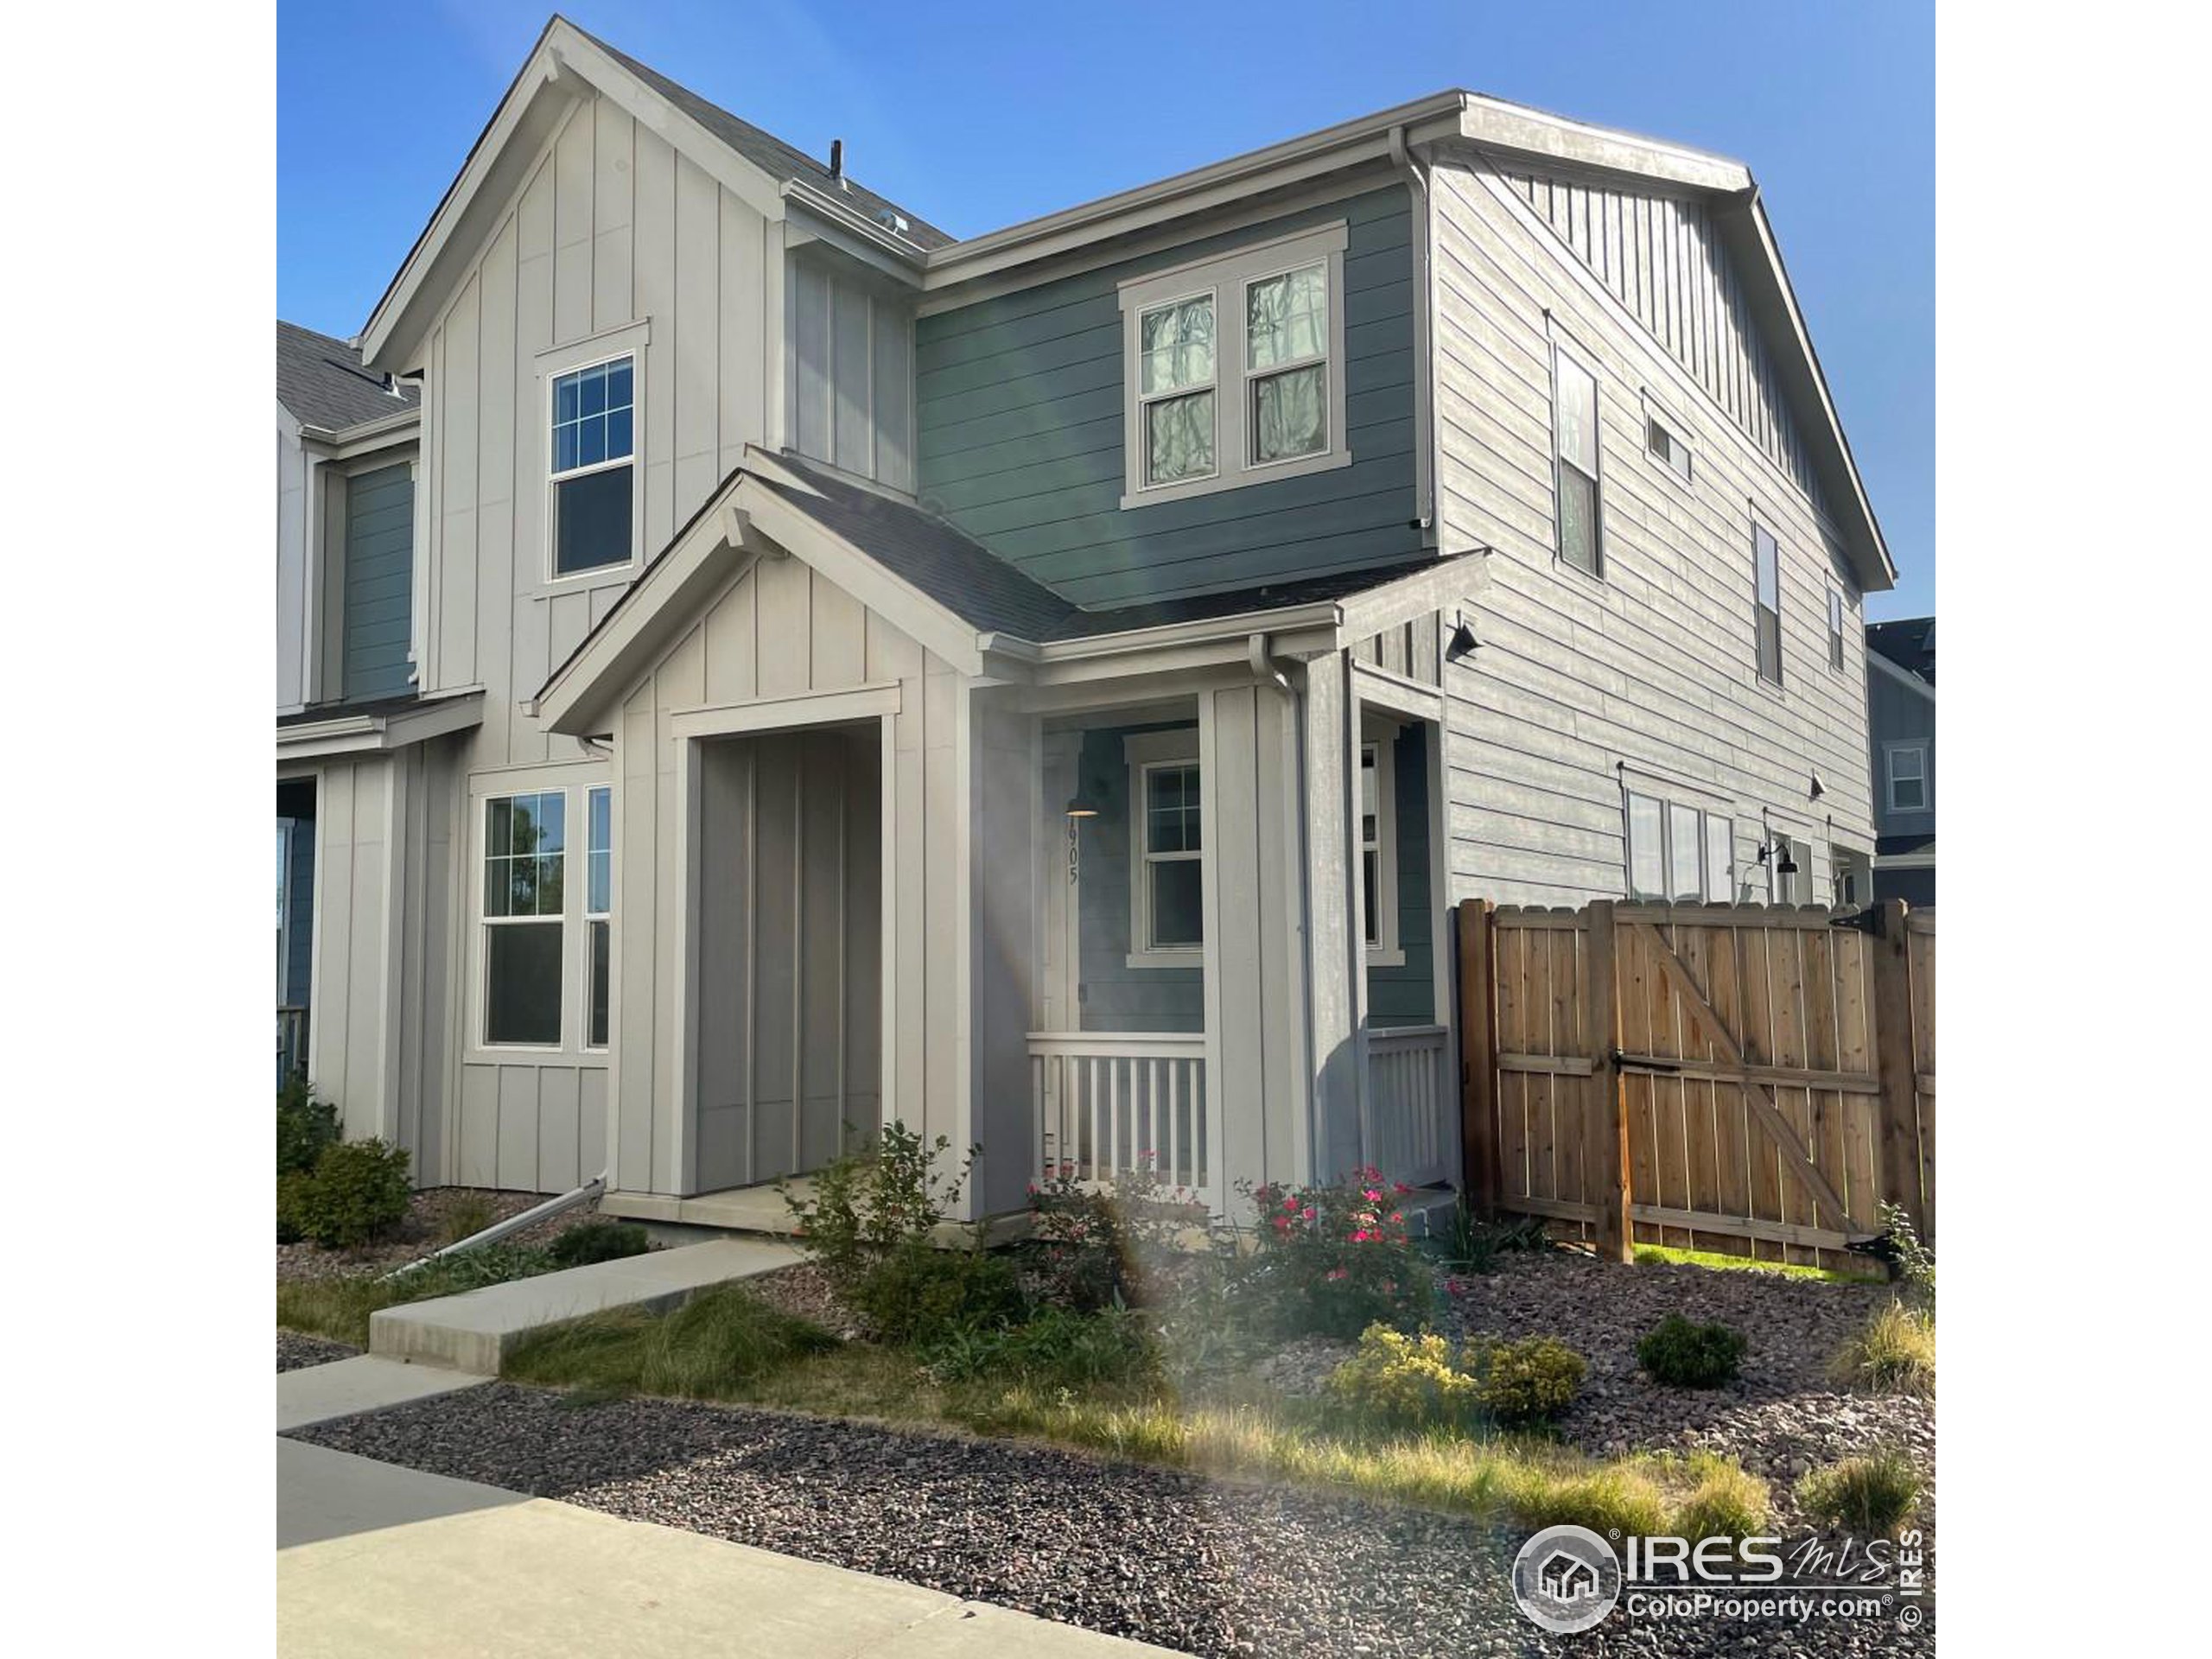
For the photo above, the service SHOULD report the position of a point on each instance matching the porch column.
(1255, 904)
(1338, 968)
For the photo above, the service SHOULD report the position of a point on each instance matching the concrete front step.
(473, 1330)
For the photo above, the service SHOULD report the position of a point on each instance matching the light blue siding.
(1020, 441)
(379, 583)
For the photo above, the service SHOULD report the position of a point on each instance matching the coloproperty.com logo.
(1568, 1579)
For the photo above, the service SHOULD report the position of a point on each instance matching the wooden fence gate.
(1744, 1078)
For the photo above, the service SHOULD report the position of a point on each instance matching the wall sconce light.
(1818, 789)
(1463, 642)
(1788, 866)
(1080, 806)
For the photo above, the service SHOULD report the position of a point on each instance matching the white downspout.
(500, 1229)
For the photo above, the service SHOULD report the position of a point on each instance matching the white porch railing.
(1408, 1131)
(1104, 1100)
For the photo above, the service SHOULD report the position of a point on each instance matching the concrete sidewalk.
(378, 1561)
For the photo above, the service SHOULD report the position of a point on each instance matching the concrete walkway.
(374, 1560)
(472, 1331)
(316, 1393)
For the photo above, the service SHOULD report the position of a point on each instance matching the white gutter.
(500, 1229)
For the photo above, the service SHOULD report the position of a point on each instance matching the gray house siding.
(1114, 995)
(379, 581)
(1019, 437)
(1653, 665)
(1900, 715)
(1403, 994)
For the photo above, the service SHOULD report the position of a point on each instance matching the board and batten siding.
(611, 227)
(1655, 664)
(1019, 434)
(781, 631)
(849, 382)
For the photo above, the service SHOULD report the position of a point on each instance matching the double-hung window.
(1766, 611)
(594, 463)
(1677, 854)
(1378, 844)
(1166, 850)
(1574, 433)
(1907, 766)
(525, 857)
(1235, 369)
(1835, 629)
(599, 911)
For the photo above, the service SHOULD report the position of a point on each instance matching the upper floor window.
(1907, 769)
(1574, 432)
(594, 465)
(1835, 629)
(1766, 555)
(1668, 450)
(1234, 369)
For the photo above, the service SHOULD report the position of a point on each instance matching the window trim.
(1145, 399)
(1587, 364)
(1836, 619)
(608, 345)
(591, 916)
(1145, 752)
(1889, 752)
(481, 1027)
(1386, 949)
(1760, 607)
(1223, 277)
(1711, 823)
(1653, 416)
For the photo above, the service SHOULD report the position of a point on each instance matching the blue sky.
(979, 115)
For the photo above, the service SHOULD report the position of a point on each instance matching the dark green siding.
(379, 581)
(1018, 440)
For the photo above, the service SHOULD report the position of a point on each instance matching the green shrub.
(1092, 1247)
(1473, 1245)
(598, 1241)
(1687, 1355)
(1725, 1501)
(1057, 1347)
(1524, 1382)
(918, 1294)
(291, 1186)
(1405, 1380)
(304, 1126)
(358, 1192)
(1866, 1497)
(1909, 1262)
(874, 1200)
(1334, 1259)
(472, 1269)
(1893, 1353)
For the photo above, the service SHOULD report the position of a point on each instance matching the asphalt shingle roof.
(321, 381)
(770, 153)
(1911, 644)
(975, 585)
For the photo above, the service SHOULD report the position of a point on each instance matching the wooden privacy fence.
(1744, 1078)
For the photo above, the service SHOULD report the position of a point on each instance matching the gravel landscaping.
(423, 1231)
(1202, 1566)
(294, 1353)
(1199, 1566)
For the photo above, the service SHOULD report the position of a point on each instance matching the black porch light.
(1080, 805)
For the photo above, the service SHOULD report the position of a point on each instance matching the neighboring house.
(1048, 688)
(1901, 727)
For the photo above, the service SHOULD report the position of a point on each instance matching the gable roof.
(321, 381)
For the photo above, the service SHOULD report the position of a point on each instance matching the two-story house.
(1901, 737)
(1049, 687)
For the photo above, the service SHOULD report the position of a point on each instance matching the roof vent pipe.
(837, 164)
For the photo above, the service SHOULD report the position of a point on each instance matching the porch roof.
(323, 730)
(947, 589)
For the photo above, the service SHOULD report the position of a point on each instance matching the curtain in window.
(1287, 318)
(1178, 438)
(1290, 413)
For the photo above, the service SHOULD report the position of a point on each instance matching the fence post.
(1608, 1126)
(1899, 1138)
(1479, 1156)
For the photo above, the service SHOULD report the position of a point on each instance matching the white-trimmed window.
(1766, 608)
(1905, 767)
(1835, 629)
(1378, 846)
(1677, 854)
(1574, 434)
(1667, 447)
(592, 504)
(525, 859)
(599, 912)
(1166, 851)
(1234, 369)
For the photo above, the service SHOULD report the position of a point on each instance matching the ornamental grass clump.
(1869, 1497)
(1893, 1353)
(1334, 1260)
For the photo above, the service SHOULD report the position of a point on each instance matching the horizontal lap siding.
(1020, 441)
(1655, 664)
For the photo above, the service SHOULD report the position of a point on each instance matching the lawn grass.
(729, 1346)
(1653, 1254)
(339, 1308)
